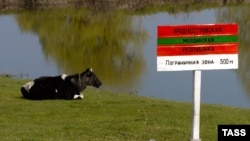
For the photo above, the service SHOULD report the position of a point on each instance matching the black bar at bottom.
(234, 132)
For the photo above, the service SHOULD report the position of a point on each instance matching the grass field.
(105, 116)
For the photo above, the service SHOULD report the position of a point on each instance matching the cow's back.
(46, 87)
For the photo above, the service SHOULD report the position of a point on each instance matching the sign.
(197, 47)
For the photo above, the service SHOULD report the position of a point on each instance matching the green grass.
(105, 116)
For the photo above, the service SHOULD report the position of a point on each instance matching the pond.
(121, 49)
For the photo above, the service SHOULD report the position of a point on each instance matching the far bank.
(108, 4)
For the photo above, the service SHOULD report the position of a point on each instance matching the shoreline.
(24, 77)
(8, 5)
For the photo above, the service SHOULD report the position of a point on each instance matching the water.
(122, 55)
(218, 86)
(21, 51)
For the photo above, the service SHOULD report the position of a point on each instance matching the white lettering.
(235, 132)
(224, 132)
(243, 132)
(230, 132)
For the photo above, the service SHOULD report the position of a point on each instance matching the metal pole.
(196, 106)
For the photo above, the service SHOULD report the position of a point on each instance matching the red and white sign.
(197, 47)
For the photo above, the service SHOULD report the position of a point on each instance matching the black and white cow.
(60, 87)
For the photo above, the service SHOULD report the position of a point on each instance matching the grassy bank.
(105, 116)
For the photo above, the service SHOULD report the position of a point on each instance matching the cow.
(60, 87)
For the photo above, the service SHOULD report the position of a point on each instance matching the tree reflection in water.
(240, 15)
(110, 42)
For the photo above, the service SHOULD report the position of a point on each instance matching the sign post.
(197, 47)
(196, 106)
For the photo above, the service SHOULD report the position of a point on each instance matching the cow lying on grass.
(60, 87)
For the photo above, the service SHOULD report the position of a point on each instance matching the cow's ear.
(89, 72)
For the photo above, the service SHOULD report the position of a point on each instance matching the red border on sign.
(196, 30)
(180, 50)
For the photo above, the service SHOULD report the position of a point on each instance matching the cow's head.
(89, 78)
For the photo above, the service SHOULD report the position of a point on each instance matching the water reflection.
(122, 50)
(240, 15)
(77, 39)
